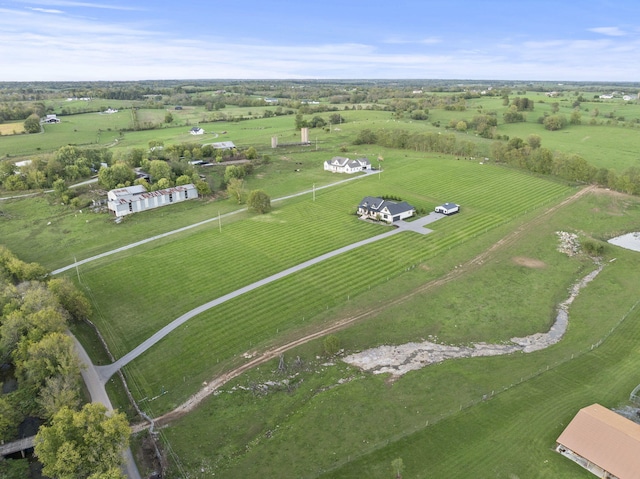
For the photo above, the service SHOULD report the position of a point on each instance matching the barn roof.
(605, 438)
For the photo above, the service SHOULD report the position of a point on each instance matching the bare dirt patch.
(529, 262)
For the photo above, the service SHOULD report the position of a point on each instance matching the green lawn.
(435, 418)
(203, 265)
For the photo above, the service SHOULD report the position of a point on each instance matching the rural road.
(195, 225)
(417, 226)
(98, 394)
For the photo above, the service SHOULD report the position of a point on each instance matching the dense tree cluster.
(34, 315)
(84, 444)
(12, 111)
(69, 163)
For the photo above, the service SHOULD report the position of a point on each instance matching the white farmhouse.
(339, 164)
(50, 119)
(133, 199)
(196, 130)
(384, 210)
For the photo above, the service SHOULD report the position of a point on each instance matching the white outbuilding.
(133, 199)
(447, 208)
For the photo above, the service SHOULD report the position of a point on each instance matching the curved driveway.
(105, 372)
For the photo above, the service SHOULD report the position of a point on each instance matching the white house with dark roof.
(133, 199)
(339, 164)
(385, 210)
(50, 119)
(196, 130)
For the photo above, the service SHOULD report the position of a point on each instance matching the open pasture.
(208, 264)
(611, 147)
(438, 412)
(87, 129)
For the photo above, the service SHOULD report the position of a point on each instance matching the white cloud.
(45, 10)
(69, 3)
(63, 47)
(399, 40)
(609, 31)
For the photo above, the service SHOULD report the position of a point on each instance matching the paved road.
(98, 393)
(417, 226)
(195, 225)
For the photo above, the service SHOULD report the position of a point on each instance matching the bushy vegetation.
(34, 315)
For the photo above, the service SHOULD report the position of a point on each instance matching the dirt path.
(342, 323)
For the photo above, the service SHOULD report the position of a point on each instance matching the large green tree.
(120, 174)
(32, 124)
(259, 201)
(83, 444)
(235, 189)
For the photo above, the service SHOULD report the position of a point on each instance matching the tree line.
(35, 312)
(527, 154)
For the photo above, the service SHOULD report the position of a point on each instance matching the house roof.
(374, 203)
(342, 161)
(449, 205)
(605, 438)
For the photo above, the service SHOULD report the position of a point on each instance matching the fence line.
(485, 397)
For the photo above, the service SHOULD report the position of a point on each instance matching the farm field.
(260, 246)
(487, 274)
(88, 129)
(368, 421)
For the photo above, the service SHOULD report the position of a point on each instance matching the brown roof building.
(603, 442)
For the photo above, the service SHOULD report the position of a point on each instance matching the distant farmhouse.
(271, 100)
(50, 119)
(384, 210)
(133, 199)
(603, 442)
(110, 111)
(196, 130)
(339, 164)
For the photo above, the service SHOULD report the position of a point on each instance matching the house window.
(170, 197)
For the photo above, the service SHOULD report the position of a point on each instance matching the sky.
(121, 40)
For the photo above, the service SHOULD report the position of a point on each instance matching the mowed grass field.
(481, 417)
(158, 283)
(87, 129)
